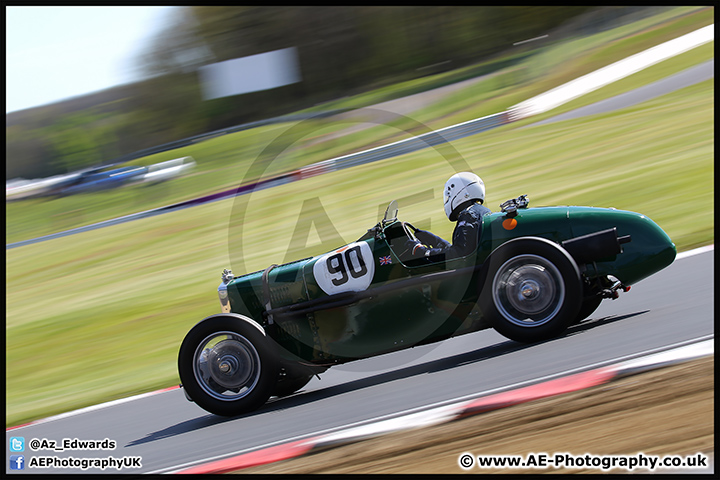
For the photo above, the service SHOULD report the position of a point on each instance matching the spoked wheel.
(227, 366)
(533, 289)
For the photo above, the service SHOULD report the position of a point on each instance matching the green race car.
(535, 272)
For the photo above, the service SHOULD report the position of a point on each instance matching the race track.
(690, 76)
(672, 307)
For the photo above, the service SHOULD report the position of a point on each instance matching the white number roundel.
(347, 269)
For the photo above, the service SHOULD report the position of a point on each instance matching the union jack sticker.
(385, 260)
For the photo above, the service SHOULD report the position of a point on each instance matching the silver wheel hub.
(224, 367)
(528, 290)
(227, 366)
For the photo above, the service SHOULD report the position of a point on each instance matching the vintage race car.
(535, 272)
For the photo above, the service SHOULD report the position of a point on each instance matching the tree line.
(342, 51)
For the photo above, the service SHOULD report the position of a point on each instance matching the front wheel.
(587, 308)
(532, 291)
(227, 366)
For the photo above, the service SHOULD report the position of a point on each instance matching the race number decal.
(347, 269)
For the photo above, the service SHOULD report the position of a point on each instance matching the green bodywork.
(413, 302)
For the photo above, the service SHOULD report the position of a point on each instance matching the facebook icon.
(17, 462)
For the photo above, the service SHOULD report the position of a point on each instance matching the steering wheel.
(409, 229)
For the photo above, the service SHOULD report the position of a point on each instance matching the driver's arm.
(427, 244)
(465, 238)
(432, 240)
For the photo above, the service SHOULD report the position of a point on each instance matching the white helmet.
(460, 188)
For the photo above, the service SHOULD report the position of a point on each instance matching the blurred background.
(341, 51)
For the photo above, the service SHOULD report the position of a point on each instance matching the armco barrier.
(429, 139)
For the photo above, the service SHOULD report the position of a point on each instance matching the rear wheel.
(227, 366)
(532, 290)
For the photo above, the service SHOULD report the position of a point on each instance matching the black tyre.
(532, 291)
(587, 308)
(227, 366)
(289, 385)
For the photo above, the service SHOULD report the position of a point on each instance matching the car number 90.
(347, 269)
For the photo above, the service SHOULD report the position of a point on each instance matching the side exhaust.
(597, 246)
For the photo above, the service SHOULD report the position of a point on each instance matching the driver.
(464, 194)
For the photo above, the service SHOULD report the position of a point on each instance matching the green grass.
(100, 315)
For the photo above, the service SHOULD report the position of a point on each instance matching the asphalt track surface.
(673, 307)
(683, 79)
